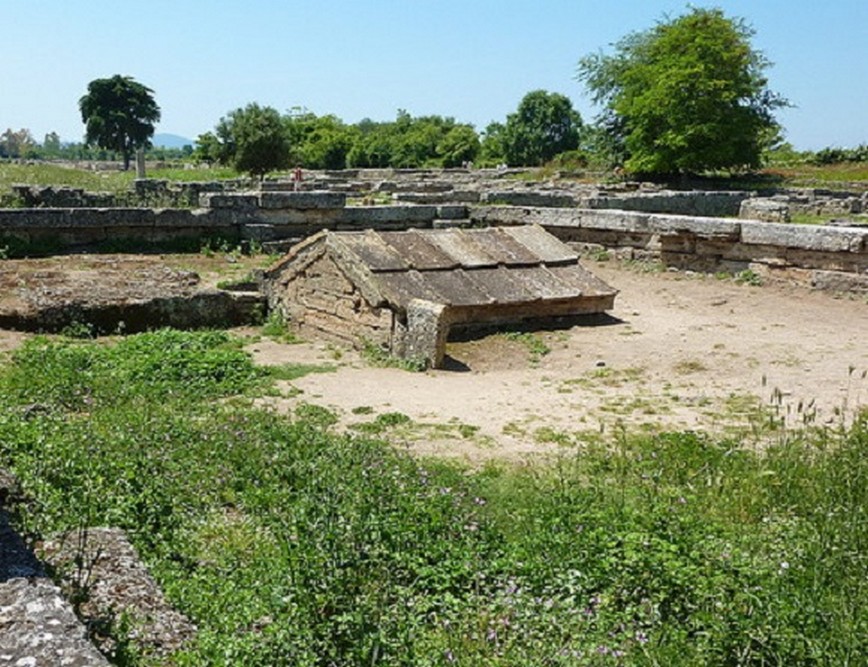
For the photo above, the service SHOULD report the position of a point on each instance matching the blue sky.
(470, 59)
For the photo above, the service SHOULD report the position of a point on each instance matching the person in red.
(296, 178)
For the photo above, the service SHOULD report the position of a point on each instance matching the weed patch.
(286, 543)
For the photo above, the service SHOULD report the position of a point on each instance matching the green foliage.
(408, 142)
(492, 149)
(17, 144)
(288, 544)
(685, 96)
(544, 125)
(837, 155)
(119, 114)
(535, 345)
(458, 145)
(320, 142)
(253, 140)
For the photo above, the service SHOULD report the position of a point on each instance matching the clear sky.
(470, 59)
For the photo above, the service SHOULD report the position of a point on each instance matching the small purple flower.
(450, 657)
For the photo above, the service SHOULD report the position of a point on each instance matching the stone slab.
(304, 200)
(805, 237)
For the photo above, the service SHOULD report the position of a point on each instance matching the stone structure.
(404, 291)
(634, 218)
(823, 257)
(38, 626)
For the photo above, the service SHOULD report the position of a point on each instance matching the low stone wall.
(821, 256)
(266, 217)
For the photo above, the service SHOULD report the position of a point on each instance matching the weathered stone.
(451, 212)
(363, 216)
(529, 198)
(39, 628)
(837, 281)
(701, 227)
(234, 201)
(807, 237)
(117, 579)
(427, 332)
(765, 210)
(306, 200)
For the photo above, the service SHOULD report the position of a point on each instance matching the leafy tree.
(16, 144)
(685, 96)
(209, 149)
(544, 125)
(320, 142)
(492, 150)
(253, 139)
(460, 144)
(51, 145)
(119, 114)
(412, 142)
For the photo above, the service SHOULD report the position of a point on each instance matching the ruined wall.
(820, 256)
(320, 300)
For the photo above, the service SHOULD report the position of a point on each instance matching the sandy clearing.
(680, 352)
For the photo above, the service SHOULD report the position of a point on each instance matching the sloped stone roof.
(455, 267)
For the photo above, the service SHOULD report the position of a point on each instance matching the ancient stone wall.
(820, 256)
(823, 256)
(319, 299)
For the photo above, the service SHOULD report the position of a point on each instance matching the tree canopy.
(253, 139)
(687, 95)
(544, 125)
(119, 114)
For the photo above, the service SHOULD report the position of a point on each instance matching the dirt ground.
(679, 351)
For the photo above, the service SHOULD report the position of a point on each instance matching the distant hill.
(171, 141)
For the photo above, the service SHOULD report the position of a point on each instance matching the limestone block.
(427, 331)
(20, 218)
(805, 237)
(39, 627)
(765, 210)
(111, 217)
(303, 200)
(621, 221)
(370, 216)
(703, 227)
(177, 217)
(837, 281)
(234, 201)
(530, 198)
(451, 212)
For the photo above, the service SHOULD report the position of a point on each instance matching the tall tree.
(254, 139)
(688, 95)
(16, 144)
(119, 114)
(544, 125)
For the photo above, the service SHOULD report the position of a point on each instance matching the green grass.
(535, 345)
(288, 544)
(45, 174)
